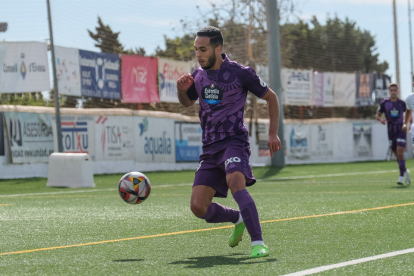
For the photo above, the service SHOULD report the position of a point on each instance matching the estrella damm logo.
(212, 94)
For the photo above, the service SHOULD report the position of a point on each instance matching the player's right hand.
(383, 121)
(404, 128)
(184, 82)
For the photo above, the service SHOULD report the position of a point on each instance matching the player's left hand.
(273, 142)
(404, 128)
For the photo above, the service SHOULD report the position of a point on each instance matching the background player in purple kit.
(221, 86)
(393, 109)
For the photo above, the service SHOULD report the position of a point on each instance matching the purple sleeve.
(252, 82)
(192, 92)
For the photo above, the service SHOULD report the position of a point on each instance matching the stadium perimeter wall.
(122, 140)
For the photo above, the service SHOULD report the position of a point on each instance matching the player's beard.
(210, 62)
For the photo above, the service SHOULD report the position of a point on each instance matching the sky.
(145, 23)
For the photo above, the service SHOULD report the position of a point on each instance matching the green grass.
(42, 217)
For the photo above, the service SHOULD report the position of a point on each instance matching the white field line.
(188, 184)
(353, 262)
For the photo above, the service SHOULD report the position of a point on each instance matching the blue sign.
(188, 142)
(99, 75)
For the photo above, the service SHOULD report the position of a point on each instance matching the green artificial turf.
(99, 234)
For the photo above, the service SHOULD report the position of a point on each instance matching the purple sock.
(249, 214)
(217, 213)
(401, 164)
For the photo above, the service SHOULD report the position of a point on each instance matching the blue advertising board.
(99, 75)
(188, 141)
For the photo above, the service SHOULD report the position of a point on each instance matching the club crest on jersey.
(212, 94)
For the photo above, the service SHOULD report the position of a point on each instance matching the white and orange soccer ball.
(134, 187)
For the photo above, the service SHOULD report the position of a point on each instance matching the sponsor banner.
(99, 75)
(24, 67)
(78, 134)
(381, 87)
(1, 135)
(168, 73)
(328, 82)
(365, 85)
(188, 141)
(30, 136)
(298, 145)
(297, 86)
(362, 139)
(317, 91)
(114, 138)
(68, 71)
(321, 141)
(344, 89)
(139, 83)
(263, 131)
(154, 140)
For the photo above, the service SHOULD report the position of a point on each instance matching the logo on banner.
(212, 94)
(23, 70)
(139, 75)
(15, 132)
(298, 76)
(75, 137)
(110, 134)
(321, 134)
(143, 127)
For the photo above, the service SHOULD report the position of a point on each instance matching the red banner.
(139, 79)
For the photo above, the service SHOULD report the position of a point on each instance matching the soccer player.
(394, 109)
(221, 86)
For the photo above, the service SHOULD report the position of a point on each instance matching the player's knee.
(198, 209)
(236, 181)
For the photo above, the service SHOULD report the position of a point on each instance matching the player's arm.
(273, 140)
(379, 117)
(408, 114)
(183, 84)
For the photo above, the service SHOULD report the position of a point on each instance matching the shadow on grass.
(399, 187)
(128, 260)
(211, 261)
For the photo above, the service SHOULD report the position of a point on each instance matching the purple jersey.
(222, 95)
(394, 111)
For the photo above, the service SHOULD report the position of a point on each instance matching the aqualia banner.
(78, 134)
(169, 71)
(139, 83)
(154, 140)
(24, 67)
(30, 136)
(100, 75)
(114, 138)
(296, 86)
(188, 141)
(68, 71)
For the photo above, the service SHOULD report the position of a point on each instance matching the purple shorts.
(213, 168)
(397, 138)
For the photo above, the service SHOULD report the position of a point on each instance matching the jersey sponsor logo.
(262, 82)
(212, 94)
(230, 161)
(394, 112)
(199, 165)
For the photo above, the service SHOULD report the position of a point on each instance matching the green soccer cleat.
(259, 251)
(237, 234)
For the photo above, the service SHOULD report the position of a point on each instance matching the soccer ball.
(134, 187)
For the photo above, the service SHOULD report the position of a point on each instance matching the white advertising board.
(168, 73)
(154, 140)
(78, 134)
(114, 138)
(24, 67)
(68, 71)
(30, 136)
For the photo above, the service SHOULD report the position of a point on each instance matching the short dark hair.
(215, 35)
(392, 84)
